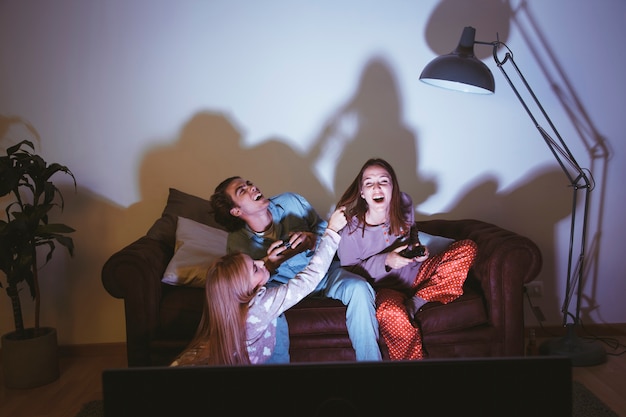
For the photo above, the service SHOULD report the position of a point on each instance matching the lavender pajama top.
(364, 252)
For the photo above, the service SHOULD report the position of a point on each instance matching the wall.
(136, 97)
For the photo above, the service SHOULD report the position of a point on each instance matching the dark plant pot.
(32, 362)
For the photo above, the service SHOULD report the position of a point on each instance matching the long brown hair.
(221, 335)
(357, 206)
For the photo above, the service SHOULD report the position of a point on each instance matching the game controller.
(414, 248)
(413, 251)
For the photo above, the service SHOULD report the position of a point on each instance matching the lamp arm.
(579, 181)
(559, 149)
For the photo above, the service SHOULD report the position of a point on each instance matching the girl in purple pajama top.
(379, 216)
(238, 325)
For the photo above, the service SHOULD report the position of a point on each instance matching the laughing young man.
(283, 231)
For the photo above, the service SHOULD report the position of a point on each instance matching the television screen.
(528, 386)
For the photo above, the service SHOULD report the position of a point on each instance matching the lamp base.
(582, 352)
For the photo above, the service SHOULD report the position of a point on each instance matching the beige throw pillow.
(196, 246)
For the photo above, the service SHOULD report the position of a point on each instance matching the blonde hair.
(221, 335)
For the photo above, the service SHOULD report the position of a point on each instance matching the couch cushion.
(197, 245)
(317, 316)
(185, 205)
(464, 343)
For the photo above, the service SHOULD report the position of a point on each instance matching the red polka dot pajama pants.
(441, 279)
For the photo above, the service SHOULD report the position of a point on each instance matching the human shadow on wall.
(371, 125)
(210, 149)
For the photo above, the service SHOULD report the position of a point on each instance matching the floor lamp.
(461, 70)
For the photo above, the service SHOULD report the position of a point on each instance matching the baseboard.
(93, 349)
(593, 329)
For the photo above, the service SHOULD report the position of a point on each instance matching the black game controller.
(413, 251)
(286, 243)
(414, 248)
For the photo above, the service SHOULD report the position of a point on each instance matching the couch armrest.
(505, 262)
(134, 274)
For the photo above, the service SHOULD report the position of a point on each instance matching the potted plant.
(27, 242)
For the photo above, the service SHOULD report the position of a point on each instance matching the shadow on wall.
(73, 299)
(370, 125)
(494, 19)
(447, 20)
(532, 209)
(210, 149)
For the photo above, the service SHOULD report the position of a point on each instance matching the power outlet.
(535, 289)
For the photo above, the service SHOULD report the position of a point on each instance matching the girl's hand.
(423, 257)
(396, 261)
(337, 220)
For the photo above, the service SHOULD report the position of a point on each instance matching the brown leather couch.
(487, 320)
